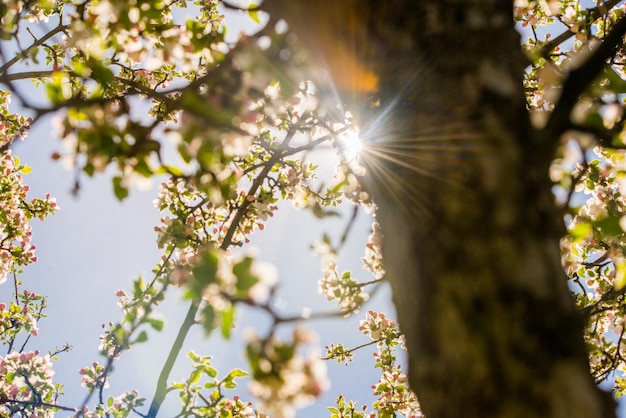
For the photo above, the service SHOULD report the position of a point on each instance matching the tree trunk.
(471, 231)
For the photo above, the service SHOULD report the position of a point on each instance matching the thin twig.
(59, 28)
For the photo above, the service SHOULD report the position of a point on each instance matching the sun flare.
(351, 144)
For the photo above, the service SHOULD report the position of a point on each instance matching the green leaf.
(193, 356)
(138, 286)
(229, 380)
(169, 169)
(195, 376)
(237, 373)
(121, 192)
(89, 169)
(595, 121)
(254, 15)
(609, 226)
(208, 321)
(210, 385)
(55, 90)
(580, 231)
(203, 272)
(229, 384)
(245, 278)
(228, 318)
(620, 276)
(142, 337)
(142, 167)
(156, 324)
(386, 414)
(100, 73)
(613, 81)
(320, 213)
(212, 114)
(209, 370)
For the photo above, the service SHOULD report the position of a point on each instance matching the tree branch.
(594, 12)
(580, 78)
(358, 347)
(250, 8)
(59, 28)
(161, 389)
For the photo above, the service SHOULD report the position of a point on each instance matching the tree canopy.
(486, 136)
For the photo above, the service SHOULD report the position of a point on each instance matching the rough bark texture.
(470, 229)
(471, 233)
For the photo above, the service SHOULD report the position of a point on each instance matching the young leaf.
(228, 318)
(142, 337)
(208, 320)
(121, 192)
(156, 324)
(254, 13)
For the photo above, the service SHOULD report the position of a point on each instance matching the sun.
(351, 144)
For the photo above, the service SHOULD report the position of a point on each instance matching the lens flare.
(351, 144)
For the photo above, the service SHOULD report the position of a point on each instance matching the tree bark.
(471, 231)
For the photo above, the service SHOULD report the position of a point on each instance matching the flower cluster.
(94, 377)
(283, 379)
(130, 31)
(380, 328)
(589, 180)
(340, 353)
(16, 212)
(138, 310)
(392, 391)
(343, 288)
(121, 406)
(21, 316)
(373, 258)
(26, 384)
(12, 125)
(203, 394)
(220, 280)
(348, 409)
(542, 80)
(203, 216)
(394, 395)
(594, 258)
